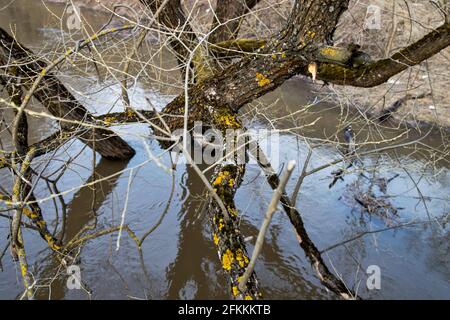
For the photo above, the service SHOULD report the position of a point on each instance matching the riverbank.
(399, 27)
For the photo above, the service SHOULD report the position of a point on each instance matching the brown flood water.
(179, 260)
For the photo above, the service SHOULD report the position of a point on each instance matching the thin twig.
(265, 225)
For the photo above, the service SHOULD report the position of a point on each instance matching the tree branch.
(380, 71)
(228, 17)
(172, 17)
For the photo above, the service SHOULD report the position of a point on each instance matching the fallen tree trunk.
(58, 100)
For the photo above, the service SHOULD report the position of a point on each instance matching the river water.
(179, 260)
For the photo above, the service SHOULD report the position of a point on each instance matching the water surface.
(179, 260)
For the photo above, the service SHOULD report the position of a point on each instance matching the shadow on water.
(81, 214)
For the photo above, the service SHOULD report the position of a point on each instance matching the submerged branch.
(328, 279)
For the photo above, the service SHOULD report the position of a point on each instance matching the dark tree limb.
(335, 64)
(49, 144)
(380, 71)
(37, 219)
(59, 138)
(57, 99)
(228, 17)
(14, 89)
(326, 277)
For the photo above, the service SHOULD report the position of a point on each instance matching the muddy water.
(179, 260)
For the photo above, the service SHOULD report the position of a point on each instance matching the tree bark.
(220, 97)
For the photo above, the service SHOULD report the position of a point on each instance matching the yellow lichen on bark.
(232, 211)
(262, 80)
(220, 178)
(228, 120)
(311, 34)
(221, 224)
(130, 113)
(216, 239)
(241, 258)
(227, 260)
(42, 225)
(334, 55)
